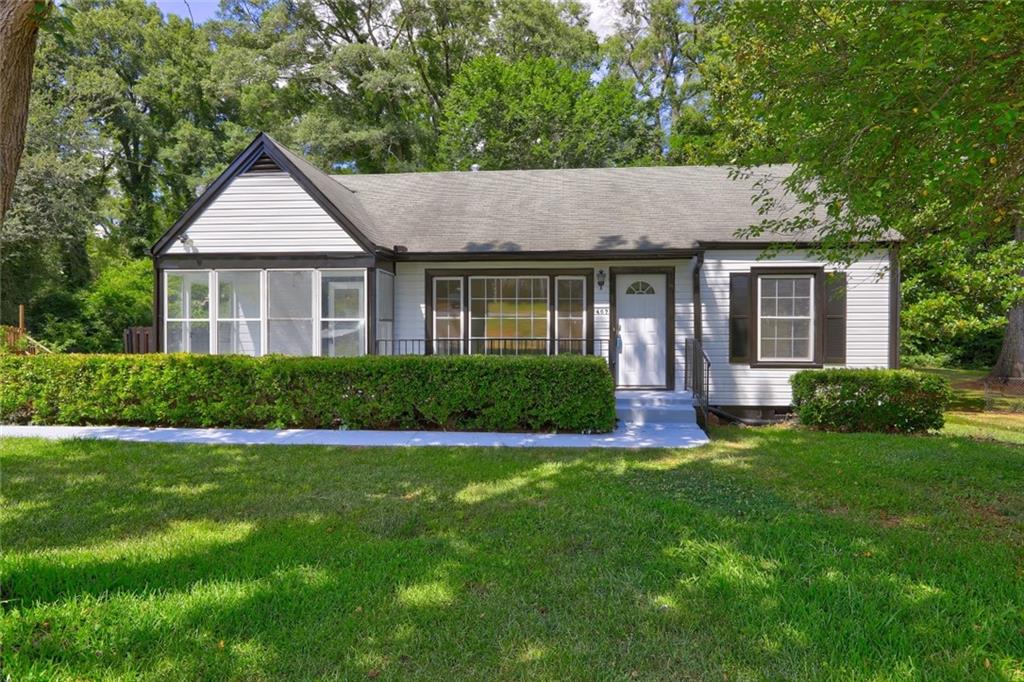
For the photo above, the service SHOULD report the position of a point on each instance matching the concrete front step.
(652, 399)
(652, 407)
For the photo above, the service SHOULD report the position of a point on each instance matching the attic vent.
(264, 164)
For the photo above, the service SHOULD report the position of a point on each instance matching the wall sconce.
(601, 275)
(185, 240)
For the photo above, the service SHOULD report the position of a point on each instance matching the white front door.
(640, 308)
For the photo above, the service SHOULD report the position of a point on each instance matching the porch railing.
(493, 346)
(696, 374)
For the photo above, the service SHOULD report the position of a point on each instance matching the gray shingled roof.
(589, 209)
(606, 209)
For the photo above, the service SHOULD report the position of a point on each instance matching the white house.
(638, 265)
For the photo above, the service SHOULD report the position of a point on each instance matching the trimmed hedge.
(886, 400)
(474, 393)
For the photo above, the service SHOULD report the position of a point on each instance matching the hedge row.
(475, 393)
(894, 401)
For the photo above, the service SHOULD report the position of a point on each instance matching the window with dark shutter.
(835, 318)
(739, 317)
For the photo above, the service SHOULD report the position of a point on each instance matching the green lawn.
(772, 553)
(969, 391)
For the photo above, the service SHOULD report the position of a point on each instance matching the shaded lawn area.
(969, 391)
(772, 553)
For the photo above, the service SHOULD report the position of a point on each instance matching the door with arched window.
(642, 339)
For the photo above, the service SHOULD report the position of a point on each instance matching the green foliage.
(474, 393)
(908, 112)
(92, 319)
(538, 113)
(666, 47)
(884, 400)
(955, 300)
(363, 85)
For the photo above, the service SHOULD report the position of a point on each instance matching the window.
(187, 312)
(786, 317)
(570, 315)
(239, 309)
(448, 315)
(508, 315)
(640, 287)
(342, 330)
(290, 312)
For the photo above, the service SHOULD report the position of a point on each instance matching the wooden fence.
(139, 340)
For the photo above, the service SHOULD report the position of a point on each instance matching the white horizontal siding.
(867, 324)
(264, 213)
(410, 301)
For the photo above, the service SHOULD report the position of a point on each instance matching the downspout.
(698, 315)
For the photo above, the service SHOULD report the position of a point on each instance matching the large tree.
(899, 115)
(538, 113)
(667, 48)
(363, 84)
(139, 80)
(19, 29)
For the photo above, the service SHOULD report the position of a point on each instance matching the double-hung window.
(187, 311)
(448, 316)
(570, 315)
(785, 318)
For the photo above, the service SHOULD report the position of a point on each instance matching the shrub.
(895, 401)
(475, 393)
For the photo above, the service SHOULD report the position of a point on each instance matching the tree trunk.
(1011, 357)
(19, 27)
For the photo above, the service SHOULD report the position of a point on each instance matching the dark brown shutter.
(835, 318)
(740, 324)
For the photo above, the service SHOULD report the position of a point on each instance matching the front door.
(642, 339)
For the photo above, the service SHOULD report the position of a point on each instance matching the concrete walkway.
(625, 436)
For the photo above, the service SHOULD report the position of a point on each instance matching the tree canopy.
(905, 116)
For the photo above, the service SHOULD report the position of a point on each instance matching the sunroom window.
(785, 319)
(258, 312)
(187, 312)
(342, 332)
(239, 309)
(290, 312)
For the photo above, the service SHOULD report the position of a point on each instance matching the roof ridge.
(727, 167)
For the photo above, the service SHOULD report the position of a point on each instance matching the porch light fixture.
(601, 279)
(185, 240)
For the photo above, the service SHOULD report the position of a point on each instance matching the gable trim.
(262, 145)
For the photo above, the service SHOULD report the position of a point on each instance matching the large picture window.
(508, 315)
(342, 332)
(187, 312)
(239, 312)
(785, 317)
(510, 312)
